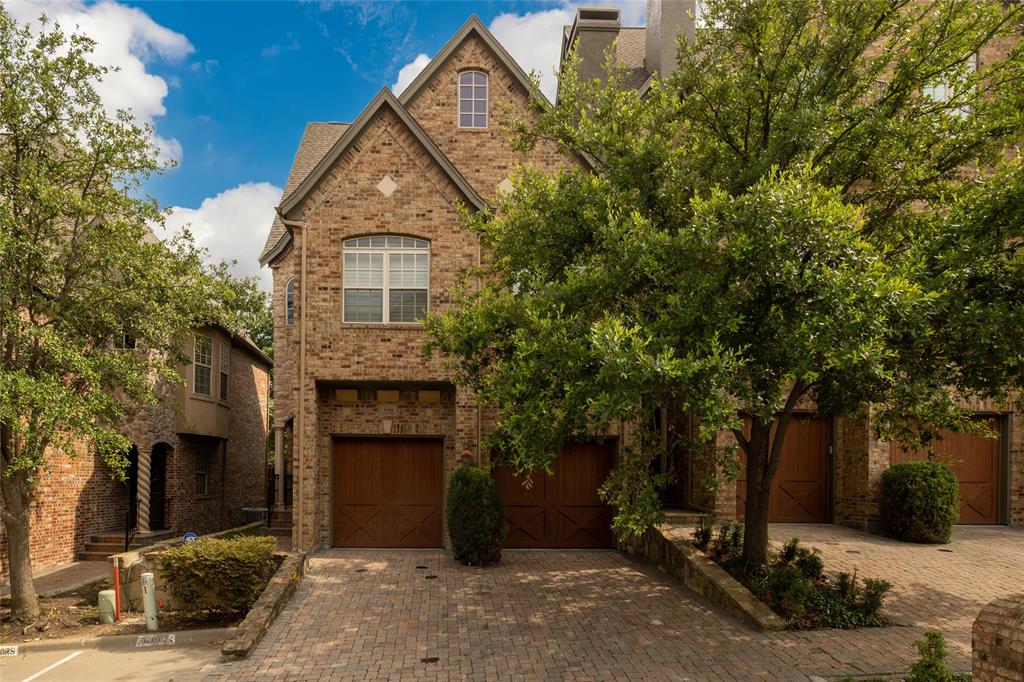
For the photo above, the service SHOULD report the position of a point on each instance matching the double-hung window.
(202, 362)
(949, 86)
(202, 472)
(472, 99)
(386, 279)
(225, 365)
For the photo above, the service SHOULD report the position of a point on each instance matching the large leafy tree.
(244, 307)
(80, 273)
(793, 215)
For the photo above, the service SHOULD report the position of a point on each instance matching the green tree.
(792, 215)
(244, 307)
(80, 273)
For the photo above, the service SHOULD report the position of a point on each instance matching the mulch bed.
(75, 614)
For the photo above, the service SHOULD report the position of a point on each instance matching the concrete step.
(95, 556)
(281, 514)
(109, 547)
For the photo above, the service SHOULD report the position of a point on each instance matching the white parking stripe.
(51, 667)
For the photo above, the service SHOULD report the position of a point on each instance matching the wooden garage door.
(562, 510)
(387, 492)
(975, 461)
(800, 487)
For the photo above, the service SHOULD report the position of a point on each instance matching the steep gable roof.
(317, 140)
(384, 98)
(472, 25)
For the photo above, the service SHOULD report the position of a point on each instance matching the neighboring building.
(199, 457)
(831, 468)
(368, 239)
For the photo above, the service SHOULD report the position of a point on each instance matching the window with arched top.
(386, 279)
(472, 99)
(289, 302)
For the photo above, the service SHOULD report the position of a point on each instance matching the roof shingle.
(317, 140)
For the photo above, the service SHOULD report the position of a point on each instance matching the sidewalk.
(57, 579)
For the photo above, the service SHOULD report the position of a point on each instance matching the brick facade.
(77, 497)
(345, 202)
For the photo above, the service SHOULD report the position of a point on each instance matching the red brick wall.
(76, 498)
(247, 436)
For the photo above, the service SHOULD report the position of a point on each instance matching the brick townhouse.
(199, 457)
(367, 240)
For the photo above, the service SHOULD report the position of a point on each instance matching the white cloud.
(127, 38)
(232, 226)
(534, 40)
(408, 73)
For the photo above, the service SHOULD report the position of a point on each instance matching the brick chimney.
(666, 19)
(592, 33)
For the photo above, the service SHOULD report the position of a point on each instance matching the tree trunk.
(24, 602)
(759, 488)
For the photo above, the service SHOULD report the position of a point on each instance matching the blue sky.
(229, 86)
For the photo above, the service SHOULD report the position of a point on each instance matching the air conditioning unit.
(254, 514)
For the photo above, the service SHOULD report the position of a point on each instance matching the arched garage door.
(562, 510)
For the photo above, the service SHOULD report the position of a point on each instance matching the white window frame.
(196, 364)
(289, 302)
(472, 100)
(939, 90)
(386, 252)
(225, 371)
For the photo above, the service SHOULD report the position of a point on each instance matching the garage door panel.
(974, 460)
(800, 485)
(387, 492)
(583, 526)
(563, 509)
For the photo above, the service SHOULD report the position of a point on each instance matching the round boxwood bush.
(920, 501)
(476, 517)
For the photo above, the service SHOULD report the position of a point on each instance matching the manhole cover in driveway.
(421, 568)
(430, 659)
(360, 570)
(431, 577)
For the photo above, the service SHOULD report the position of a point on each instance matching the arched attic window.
(472, 99)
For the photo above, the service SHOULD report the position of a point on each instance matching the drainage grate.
(430, 659)
(421, 568)
(852, 551)
(360, 570)
(431, 577)
(946, 550)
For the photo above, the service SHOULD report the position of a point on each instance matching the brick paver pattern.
(598, 615)
(939, 587)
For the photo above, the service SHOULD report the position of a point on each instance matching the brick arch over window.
(386, 279)
(474, 95)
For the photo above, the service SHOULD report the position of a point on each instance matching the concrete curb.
(265, 611)
(673, 553)
(128, 642)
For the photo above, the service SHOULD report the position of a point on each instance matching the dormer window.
(472, 99)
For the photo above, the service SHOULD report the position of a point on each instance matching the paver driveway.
(540, 615)
(942, 587)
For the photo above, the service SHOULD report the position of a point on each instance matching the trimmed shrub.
(703, 532)
(218, 578)
(476, 517)
(920, 501)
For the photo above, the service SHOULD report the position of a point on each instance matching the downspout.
(479, 407)
(298, 502)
